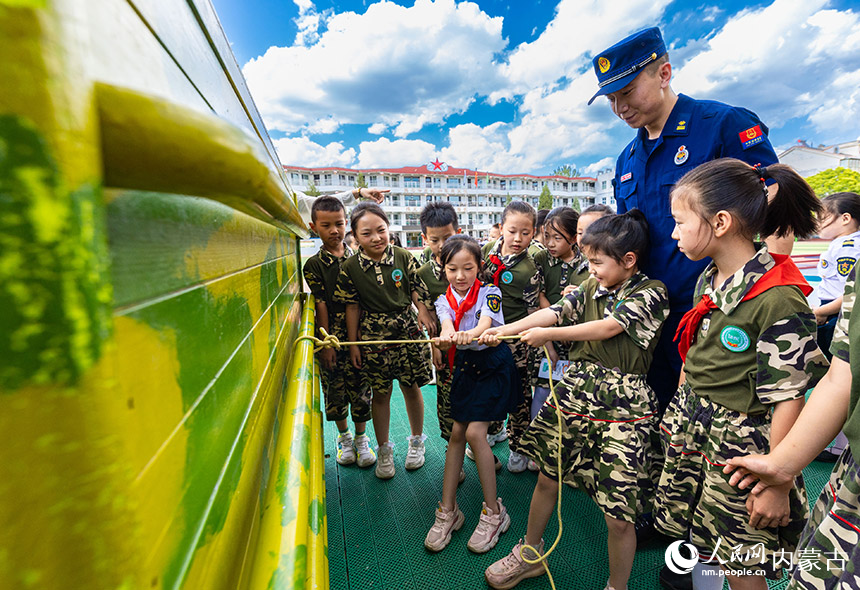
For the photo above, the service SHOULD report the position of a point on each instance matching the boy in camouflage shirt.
(343, 385)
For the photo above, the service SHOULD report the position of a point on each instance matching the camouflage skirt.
(608, 424)
(694, 498)
(381, 364)
(828, 554)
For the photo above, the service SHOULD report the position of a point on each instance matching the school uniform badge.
(734, 339)
(494, 302)
(844, 265)
(682, 155)
(397, 275)
(507, 277)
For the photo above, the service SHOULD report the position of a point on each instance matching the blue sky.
(503, 85)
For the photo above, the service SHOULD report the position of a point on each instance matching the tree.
(568, 170)
(835, 180)
(508, 199)
(312, 190)
(545, 200)
(576, 206)
(360, 182)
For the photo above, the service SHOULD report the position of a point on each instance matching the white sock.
(707, 577)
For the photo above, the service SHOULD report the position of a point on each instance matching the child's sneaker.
(532, 465)
(490, 526)
(385, 464)
(447, 521)
(415, 454)
(462, 477)
(471, 456)
(501, 435)
(517, 463)
(345, 450)
(511, 569)
(366, 456)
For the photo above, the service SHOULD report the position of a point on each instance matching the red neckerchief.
(784, 272)
(500, 268)
(460, 310)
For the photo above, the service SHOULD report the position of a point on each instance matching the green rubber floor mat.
(376, 528)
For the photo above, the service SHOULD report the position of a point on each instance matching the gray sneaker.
(345, 450)
(385, 463)
(517, 463)
(511, 569)
(415, 454)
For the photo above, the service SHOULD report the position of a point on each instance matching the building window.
(603, 185)
(327, 179)
(428, 182)
(454, 199)
(454, 182)
(412, 219)
(412, 200)
(503, 184)
(411, 182)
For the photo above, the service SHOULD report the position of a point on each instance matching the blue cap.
(619, 65)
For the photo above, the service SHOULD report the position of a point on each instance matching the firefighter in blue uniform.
(675, 133)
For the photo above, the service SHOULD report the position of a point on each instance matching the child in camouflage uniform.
(343, 385)
(438, 223)
(381, 283)
(510, 266)
(828, 544)
(562, 265)
(750, 355)
(609, 412)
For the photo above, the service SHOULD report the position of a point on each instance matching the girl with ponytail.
(609, 413)
(749, 356)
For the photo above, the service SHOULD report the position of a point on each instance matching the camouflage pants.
(518, 420)
(694, 497)
(382, 364)
(345, 391)
(608, 421)
(443, 399)
(828, 554)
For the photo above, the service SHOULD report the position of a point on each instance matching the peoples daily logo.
(678, 563)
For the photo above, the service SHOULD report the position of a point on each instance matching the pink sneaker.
(511, 569)
(490, 526)
(447, 521)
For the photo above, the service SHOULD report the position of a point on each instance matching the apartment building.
(479, 197)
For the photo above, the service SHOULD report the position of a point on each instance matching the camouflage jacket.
(752, 354)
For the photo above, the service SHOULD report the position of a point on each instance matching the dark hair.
(839, 203)
(541, 218)
(326, 203)
(394, 239)
(616, 235)
(459, 242)
(602, 209)
(563, 220)
(438, 214)
(497, 226)
(731, 185)
(347, 236)
(519, 207)
(363, 209)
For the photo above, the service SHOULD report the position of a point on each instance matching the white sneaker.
(517, 463)
(366, 456)
(385, 464)
(532, 465)
(415, 454)
(345, 450)
(492, 439)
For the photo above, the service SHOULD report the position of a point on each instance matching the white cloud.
(595, 167)
(393, 65)
(384, 153)
(301, 151)
(377, 128)
(793, 58)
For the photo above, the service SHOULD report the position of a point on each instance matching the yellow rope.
(331, 341)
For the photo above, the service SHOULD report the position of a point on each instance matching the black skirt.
(485, 386)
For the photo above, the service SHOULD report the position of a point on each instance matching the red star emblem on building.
(437, 165)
